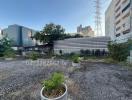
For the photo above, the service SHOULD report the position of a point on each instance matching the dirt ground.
(89, 81)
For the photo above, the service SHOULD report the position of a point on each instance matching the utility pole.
(98, 28)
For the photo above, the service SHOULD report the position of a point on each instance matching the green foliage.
(119, 52)
(9, 53)
(5, 42)
(50, 33)
(72, 56)
(33, 55)
(54, 82)
(5, 47)
(75, 58)
(1, 50)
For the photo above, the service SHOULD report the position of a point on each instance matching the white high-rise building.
(109, 21)
(118, 20)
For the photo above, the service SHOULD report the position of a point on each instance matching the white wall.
(109, 21)
(77, 44)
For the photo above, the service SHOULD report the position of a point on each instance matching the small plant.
(53, 87)
(33, 55)
(75, 58)
(56, 80)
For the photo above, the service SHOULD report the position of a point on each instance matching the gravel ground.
(92, 81)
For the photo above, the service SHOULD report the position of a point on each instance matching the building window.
(126, 31)
(117, 35)
(124, 1)
(118, 15)
(117, 22)
(124, 25)
(118, 2)
(118, 9)
(117, 29)
(128, 14)
(126, 8)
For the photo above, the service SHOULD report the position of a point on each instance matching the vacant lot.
(89, 81)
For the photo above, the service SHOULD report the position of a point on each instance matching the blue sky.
(36, 13)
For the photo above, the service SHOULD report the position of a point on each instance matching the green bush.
(54, 82)
(5, 47)
(9, 53)
(119, 52)
(33, 55)
(75, 58)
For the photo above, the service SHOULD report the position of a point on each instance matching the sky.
(36, 13)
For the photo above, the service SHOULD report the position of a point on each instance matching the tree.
(50, 33)
(5, 43)
(5, 46)
(77, 36)
(54, 32)
(43, 38)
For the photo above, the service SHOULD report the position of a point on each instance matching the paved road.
(93, 81)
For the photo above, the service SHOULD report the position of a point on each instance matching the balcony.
(127, 7)
(118, 9)
(118, 22)
(125, 3)
(117, 35)
(119, 14)
(117, 3)
(126, 31)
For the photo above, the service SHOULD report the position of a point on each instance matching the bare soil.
(89, 81)
(55, 92)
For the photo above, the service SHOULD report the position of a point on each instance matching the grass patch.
(124, 64)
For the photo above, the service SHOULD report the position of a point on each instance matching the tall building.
(109, 21)
(20, 35)
(85, 31)
(118, 20)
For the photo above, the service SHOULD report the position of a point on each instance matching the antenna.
(98, 28)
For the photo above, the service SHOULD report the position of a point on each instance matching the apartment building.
(109, 21)
(118, 20)
(85, 31)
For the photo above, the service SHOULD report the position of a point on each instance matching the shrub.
(75, 58)
(119, 52)
(54, 82)
(9, 53)
(33, 55)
